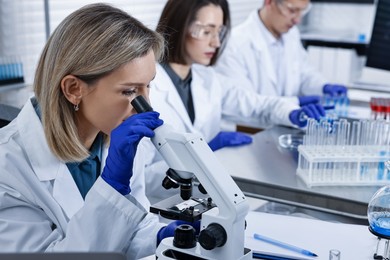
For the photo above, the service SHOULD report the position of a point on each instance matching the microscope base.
(166, 250)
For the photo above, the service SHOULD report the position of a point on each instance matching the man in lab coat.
(265, 54)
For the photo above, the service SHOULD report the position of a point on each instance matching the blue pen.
(266, 256)
(283, 245)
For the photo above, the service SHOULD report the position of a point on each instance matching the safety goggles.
(207, 32)
(289, 10)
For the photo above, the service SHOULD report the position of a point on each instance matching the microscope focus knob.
(184, 236)
(214, 235)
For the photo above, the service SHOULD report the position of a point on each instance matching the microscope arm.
(188, 154)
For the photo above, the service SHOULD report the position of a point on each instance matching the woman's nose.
(215, 41)
(297, 19)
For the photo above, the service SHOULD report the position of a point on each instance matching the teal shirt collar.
(86, 172)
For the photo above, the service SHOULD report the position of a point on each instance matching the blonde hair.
(90, 43)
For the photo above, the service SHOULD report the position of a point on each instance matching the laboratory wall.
(24, 28)
(342, 23)
(341, 19)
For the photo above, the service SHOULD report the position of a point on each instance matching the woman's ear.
(71, 87)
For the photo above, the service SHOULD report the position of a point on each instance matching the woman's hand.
(123, 146)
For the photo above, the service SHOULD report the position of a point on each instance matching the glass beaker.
(334, 254)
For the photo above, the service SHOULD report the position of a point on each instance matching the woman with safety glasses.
(188, 93)
(265, 55)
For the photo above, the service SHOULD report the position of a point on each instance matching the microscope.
(222, 229)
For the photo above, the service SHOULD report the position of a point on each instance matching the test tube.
(387, 135)
(327, 136)
(355, 133)
(310, 131)
(341, 133)
(365, 124)
(343, 104)
(382, 108)
(334, 131)
(322, 133)
(334, 254)
(388, 110)
(382, 132)
(375, 132)
(347, 164)
(373, 137)
(374, 107)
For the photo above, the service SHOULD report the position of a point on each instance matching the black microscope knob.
(184, 236)
(202, 189)
(213, 236)
(167, 183)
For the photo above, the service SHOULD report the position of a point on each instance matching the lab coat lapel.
(261, 49)
(201, 98)
(292, 75)
(104, 157)
(263, 56)
(172, 97)
(66, 193)
(176, 103)
(269, 69)
(46, 166)
(44, 163)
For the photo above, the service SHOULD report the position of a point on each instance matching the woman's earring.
(76, 107)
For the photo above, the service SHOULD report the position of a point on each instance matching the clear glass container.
(334, 254)
(378, 213)
(290, 141)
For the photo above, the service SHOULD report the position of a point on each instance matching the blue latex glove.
(123, 145)
(305, 100)
(223, 139)
(169, 231)
(299, 116)
(334, 89)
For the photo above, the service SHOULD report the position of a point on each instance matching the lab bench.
(267, 171)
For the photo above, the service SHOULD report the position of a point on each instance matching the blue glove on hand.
(169, 231)
(229, 139)
(334, 90)
(299, 116)
(305, 100)
(123, 145)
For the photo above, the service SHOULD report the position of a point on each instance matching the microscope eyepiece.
(141, 105)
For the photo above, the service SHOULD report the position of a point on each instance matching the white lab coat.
(41, 208)
(247, 61)
(212, 96)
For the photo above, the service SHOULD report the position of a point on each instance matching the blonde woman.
(69, 180)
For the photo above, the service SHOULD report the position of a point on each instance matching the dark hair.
(175, 20)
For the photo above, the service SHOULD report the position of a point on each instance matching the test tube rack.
(11, 70)
(334, 153)
(343, 165)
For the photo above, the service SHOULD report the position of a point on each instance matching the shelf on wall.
(9, 87)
